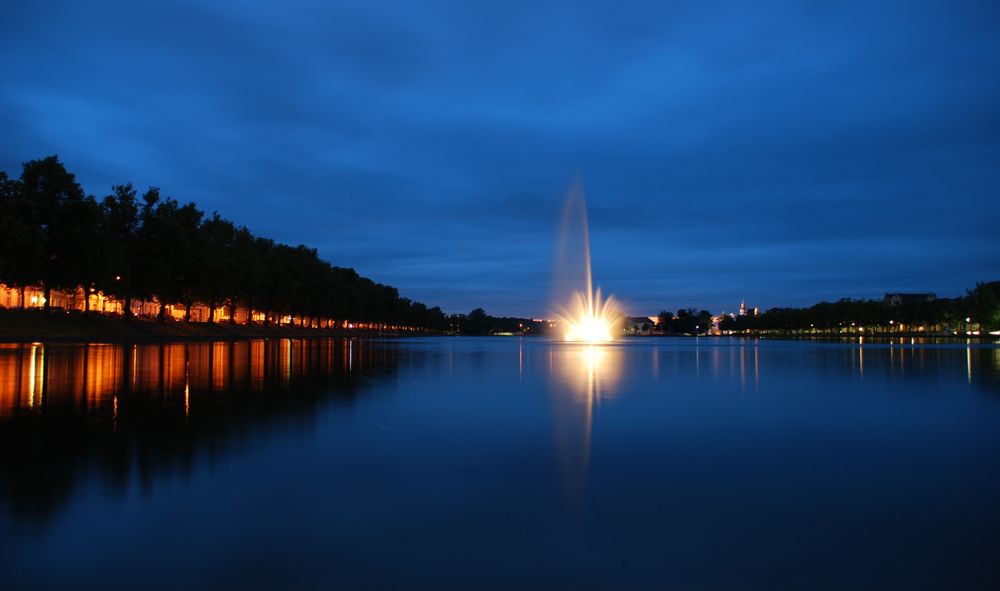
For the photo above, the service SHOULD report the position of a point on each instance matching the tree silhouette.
(54, 196)
(21, 240)
(121, 231)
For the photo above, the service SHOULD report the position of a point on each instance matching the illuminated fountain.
(585, 318)
(587, 370)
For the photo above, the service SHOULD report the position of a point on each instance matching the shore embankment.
(20, 326)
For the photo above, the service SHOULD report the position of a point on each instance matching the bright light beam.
(589, 319)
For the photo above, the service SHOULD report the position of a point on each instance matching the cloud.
(777, 151)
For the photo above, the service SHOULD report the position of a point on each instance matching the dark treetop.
(150, 247)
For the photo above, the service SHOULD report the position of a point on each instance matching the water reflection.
(749, 362)
(631, 465)
(584, 376)
(968, 361)
(906, 359)
(145, 411)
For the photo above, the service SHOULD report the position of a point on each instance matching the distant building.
(77, 300)
(639, 325)
(716, 327)
(744, 311)
(897, 299)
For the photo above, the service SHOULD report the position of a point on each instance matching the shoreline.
(874, 337)
(27, 326)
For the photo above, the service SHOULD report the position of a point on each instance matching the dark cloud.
(776, 151)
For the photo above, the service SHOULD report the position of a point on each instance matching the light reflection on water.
(417, 463)
(584, 376)
(162, 400)
(87, 376)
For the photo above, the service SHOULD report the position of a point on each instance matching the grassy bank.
(34, 325)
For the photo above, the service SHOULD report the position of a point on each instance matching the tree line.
(151, 247)
(979, 309)
(687, 321)
(980, 305)
(478, 322)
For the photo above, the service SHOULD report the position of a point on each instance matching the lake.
(482, 463)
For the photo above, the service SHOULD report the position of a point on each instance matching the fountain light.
(587, 318)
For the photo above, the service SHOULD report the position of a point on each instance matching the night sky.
(785, 153)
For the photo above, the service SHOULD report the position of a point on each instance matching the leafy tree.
(704, 321)
(170, 250)
(21, 240)
(80, 242)
(122, 225)
(477, 322)
(665, 321)
(154, 248)
(984, 305)
(686, 321)
(53, 193)
(214, 275)
(248, 276)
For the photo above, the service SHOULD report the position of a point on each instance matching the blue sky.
(782, 152)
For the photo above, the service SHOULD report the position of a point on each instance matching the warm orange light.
(589, 319)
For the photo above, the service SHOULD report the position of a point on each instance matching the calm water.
(499, 463)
